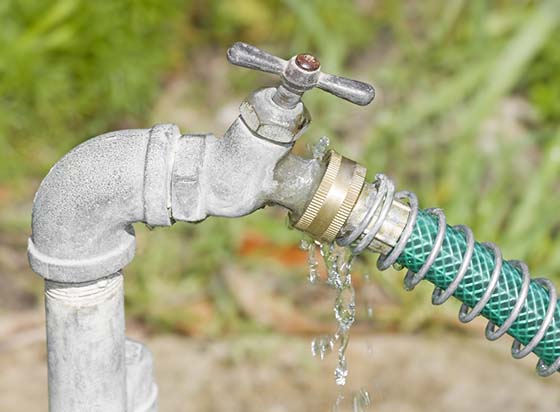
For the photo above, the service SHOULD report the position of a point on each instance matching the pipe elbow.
(84, 209)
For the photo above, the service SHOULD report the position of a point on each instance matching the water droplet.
(312, 262)
(313, 276)
(337, 403)
(398, 266)
(304, 245)
(338, 264)
(345, 308)
(341, 373)
(320, 148)
(361, 401)
(322, 345)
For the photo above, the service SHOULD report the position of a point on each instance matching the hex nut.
(270, 121)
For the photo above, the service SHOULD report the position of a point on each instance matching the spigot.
(277, 113)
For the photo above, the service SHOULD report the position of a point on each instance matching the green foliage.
(463, 138)
(330, 26)
(543, 81)
(71, 68)
(458, 84)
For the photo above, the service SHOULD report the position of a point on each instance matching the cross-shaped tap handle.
(300, 74)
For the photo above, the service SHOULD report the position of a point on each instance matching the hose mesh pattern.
(475, 283)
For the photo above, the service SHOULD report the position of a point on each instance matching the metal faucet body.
(83, 235)
(85, 208)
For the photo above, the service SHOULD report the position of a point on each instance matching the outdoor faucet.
(82, 234)
(251, 166)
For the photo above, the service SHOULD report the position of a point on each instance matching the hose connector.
(335, 198)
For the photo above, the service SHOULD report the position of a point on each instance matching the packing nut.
(270, 121)
(334, 199)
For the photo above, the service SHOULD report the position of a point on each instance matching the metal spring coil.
(359, 239)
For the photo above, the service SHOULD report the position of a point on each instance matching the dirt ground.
(274, 373)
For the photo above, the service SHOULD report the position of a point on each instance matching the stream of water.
(338, 263)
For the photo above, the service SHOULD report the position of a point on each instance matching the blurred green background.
(467, 115)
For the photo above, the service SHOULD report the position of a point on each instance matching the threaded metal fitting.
(334, 199)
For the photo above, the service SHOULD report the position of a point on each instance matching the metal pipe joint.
(85, 208)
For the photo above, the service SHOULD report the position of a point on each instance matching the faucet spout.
(297, 179)
(238, 174)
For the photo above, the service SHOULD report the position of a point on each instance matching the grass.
(70, 68)
(467, 116)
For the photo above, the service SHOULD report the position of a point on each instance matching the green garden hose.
(473, 272)
(475, 283)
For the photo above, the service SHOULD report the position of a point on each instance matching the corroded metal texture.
(272, 121)
(85, 340)
(277, 113)
(300, 74)
(308, 62)
(82, 234)
(141, 390)
(84, 209)
(230, 176)
(83, 212)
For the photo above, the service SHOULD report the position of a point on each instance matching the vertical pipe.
(142, 391)
(86, 345)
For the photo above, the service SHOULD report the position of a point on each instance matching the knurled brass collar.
(334, 199)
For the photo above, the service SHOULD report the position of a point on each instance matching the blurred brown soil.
(402, 373)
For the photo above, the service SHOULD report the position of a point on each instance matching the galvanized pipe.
(83, 235)
(86, 345)
(141, 390)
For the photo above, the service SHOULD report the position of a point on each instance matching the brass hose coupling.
(334, 199)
